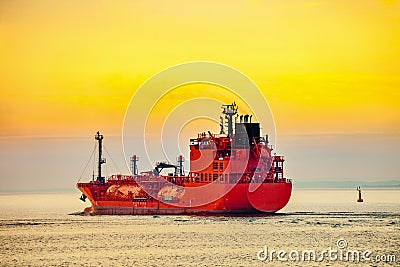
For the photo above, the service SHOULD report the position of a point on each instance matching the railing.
(120, 177)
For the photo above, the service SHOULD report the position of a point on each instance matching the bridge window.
(215, 166)
(201, 177)
(221, 177)
(233, 178)
(221, 166)
(215, 177)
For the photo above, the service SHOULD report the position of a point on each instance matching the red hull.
(269, 197)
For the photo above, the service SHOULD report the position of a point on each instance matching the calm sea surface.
(36, 230)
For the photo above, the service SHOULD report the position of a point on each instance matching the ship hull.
(267, 198)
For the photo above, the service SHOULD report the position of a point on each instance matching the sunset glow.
(69, 68)
(65, 62)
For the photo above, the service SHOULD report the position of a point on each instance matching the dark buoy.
(359, 195)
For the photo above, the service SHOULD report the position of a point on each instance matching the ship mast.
(134, 160)
(230, 111)
(99, 137)
(180, 160)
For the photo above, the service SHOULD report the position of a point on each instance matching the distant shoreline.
(68, 191)
(347, 184)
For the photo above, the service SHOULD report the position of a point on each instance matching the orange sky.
(69, 68)
(324, 66)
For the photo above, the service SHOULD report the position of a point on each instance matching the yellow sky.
(330, 71)
(324, 66)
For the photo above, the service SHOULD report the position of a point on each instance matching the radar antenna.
(230, 111)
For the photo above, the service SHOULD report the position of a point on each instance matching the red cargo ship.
(229, 173)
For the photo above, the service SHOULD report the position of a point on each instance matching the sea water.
(36, 230)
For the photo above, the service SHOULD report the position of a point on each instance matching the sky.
(330, 71)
